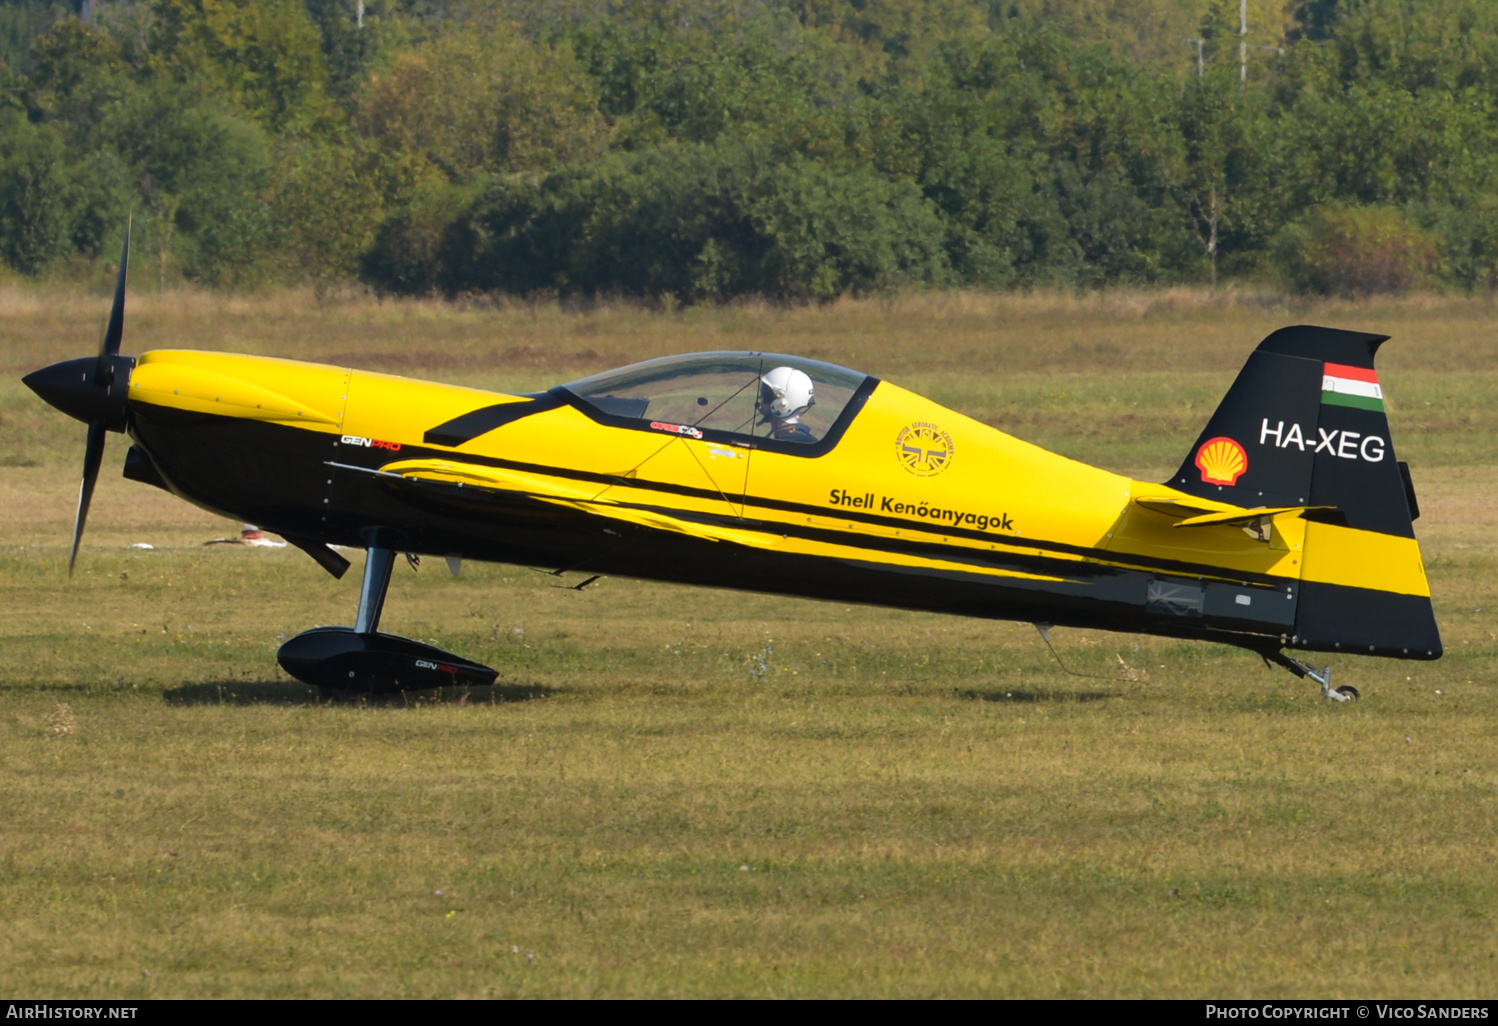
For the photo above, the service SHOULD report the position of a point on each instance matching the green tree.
(264, 56)
(953, 144)
(325, 198)
(13, 89)
(829, 231)
(35, 218)
(21, 21)
(1233, 195)
(894, 33)
(483, 99)
(742, 71)
(202, 175)
(353, 50)
(695, 220)
(1103, 150)
(80, 81)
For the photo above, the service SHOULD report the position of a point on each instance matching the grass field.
(699, 793)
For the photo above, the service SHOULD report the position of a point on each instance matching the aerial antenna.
(1045, 635)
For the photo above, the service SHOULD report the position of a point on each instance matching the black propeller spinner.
(92, 389)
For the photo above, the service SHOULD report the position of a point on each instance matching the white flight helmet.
(785, 393)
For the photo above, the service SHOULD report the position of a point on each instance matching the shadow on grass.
(283, 693)
(1030, 697)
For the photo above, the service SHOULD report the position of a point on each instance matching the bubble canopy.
(718, 394)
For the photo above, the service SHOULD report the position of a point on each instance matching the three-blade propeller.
(93, 391)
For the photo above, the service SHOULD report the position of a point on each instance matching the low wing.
(589, 499)
(1182, 508)
(561, 492)
(504, 479)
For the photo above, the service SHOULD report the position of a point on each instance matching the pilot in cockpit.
(785, 393)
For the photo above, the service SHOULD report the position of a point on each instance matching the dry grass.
(918, 332)
(677, 792)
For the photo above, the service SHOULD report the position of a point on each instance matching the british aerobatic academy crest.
(924, 449)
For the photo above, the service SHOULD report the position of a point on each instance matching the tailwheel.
(1323, 676)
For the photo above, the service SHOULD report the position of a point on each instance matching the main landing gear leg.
(357, 661)
(1346, 693)
(377, 566)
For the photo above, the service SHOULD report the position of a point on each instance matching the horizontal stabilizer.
(1206, 513)
(1173, 507)
(1242, 518)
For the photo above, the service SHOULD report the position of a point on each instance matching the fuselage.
(910, 504)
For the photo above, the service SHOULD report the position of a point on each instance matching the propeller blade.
(93, 456)
(116, 329)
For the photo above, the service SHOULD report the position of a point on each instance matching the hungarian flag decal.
(1351, 386)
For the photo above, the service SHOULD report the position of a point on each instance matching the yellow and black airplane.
(1288, 526)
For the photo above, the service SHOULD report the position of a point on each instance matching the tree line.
(708, 149)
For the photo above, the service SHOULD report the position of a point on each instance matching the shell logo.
(1222, 461)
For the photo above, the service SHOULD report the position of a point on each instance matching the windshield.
(752, 395)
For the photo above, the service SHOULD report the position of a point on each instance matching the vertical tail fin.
(1304, 425)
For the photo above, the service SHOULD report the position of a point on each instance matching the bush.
(327, 207)
(410, 252)
(1468, 239)
(827, 231)
(36, 221)
(695, 221)
(1357, 251)
(202, 174)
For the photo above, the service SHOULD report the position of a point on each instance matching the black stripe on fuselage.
(471, 425)
(999, 559)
